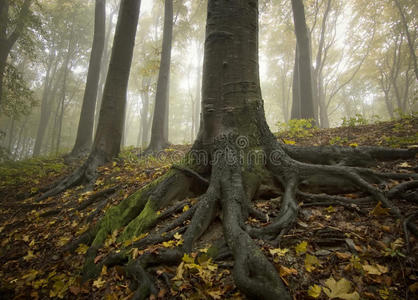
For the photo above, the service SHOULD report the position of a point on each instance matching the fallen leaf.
(379, 210)
(186, 208)
(82, 249)
(29, 256)
(177, 236)
(301, 248)
(289, 142)
(314, 291)
(287, 271)
(414, 287)
(99, 283)
(340, 289)
(311, 262)
(343, 255)
(375, 270)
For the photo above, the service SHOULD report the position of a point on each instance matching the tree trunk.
(103, 70)
(159, 134)
(85, 126)
(305, 65)
(295, 114)
(46, 107)
(411, 43)
(143, 135)
(197, 101)
(108, 137)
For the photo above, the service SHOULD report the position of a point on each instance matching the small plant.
(297, 128)
(354, 121)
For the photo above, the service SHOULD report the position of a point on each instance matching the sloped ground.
(332, 251)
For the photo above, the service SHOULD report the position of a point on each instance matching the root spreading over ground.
(220, 217)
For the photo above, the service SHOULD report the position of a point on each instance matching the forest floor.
(366, 254)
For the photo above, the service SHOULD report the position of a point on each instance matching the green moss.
(141, 223)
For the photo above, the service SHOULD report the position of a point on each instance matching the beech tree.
(106, 145)
(159, 130)
(303, 101)
(85, 126)
(233, 155)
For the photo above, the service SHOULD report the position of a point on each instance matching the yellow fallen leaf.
(186, 208)
(314, 291)
(340, 289)
(82, 249)
(99, 283)
(379, 210)
(289, 142)
(301, 248)
(177, 236)
(354, 145)
(311, 262)
(29, 256)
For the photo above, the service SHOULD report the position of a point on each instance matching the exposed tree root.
(228, 195)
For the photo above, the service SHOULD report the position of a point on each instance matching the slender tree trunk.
(197, 101)
(108, 137)
(145, 119)
(103, 69)
(411, 43)
(305, 65)
(46, 107)
(11, 133)
(159, 134)
(85, 126)
(296, 114)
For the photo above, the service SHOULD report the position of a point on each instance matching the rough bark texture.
(230, 97)
(304, 61)
(159, 131)
(85, 126)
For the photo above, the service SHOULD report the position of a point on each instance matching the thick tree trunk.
(143, 135)
(305, 64)
(159, 131)
(85, 126)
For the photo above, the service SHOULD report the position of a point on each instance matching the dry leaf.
(314, 291)
(379, 210)
(340, 289)
(301, 248)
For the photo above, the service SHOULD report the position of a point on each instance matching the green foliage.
(29, 171)
(18, 97)
(401, 141)
(297, 128)
(354, 121)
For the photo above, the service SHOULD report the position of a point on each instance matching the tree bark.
(295, 114)
(108, 137)
(85, 126)
(304, 57)
(159, 134)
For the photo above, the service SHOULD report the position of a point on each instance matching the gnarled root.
(228, 196)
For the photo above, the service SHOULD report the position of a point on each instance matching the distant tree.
(12, 26)
(303, 78)
(107, 141)
(85, 126)
(159, 132)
